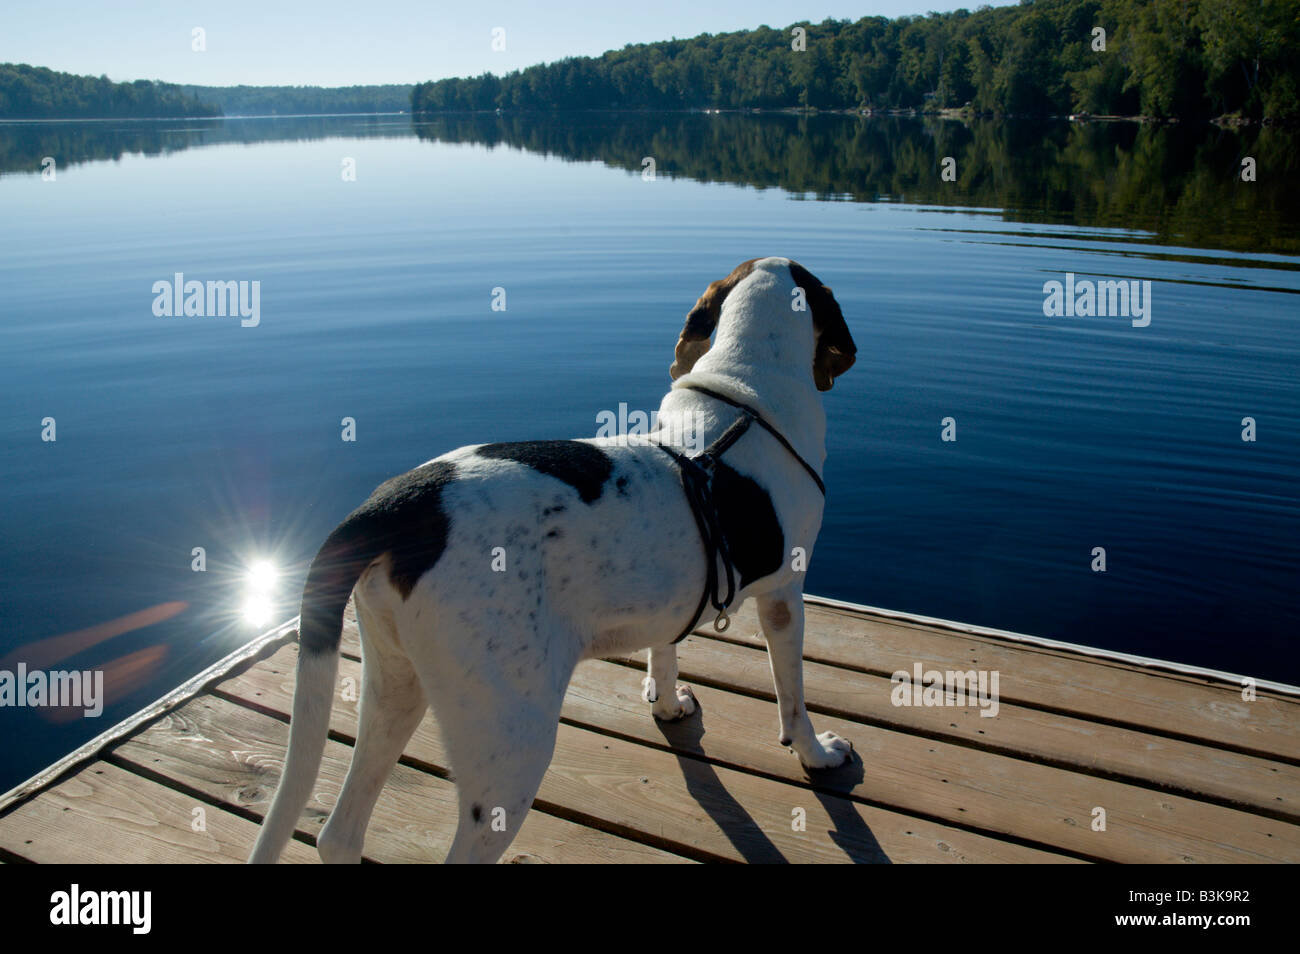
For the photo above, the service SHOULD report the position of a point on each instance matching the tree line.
(303, 100)
(34, 92)
(1157, 58)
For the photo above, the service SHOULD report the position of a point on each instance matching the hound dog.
(483, 577)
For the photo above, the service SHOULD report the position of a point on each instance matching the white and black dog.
(483, 577)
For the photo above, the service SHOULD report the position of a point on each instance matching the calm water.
(375, 294)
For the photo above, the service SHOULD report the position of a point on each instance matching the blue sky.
(342, 42)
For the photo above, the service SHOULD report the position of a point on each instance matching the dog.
(483, 577)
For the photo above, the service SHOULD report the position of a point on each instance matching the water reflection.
(1166, 185)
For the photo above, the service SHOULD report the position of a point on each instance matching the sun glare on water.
(258, 607)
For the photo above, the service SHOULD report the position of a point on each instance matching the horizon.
(404, 44)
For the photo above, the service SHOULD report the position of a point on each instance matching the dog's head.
(834, 351)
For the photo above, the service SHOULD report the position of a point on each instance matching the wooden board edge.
(272, 640)
(1146, 664)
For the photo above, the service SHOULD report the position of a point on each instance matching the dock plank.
(104, 814)
(1108, 691)
(1185, 769)
(958, 784)
(1032, 734)
(689, 803)
(234, 755)
(954, 784)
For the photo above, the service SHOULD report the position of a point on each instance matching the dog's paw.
(830, 751)
(677, 706)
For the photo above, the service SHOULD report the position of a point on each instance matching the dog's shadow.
(850, 833)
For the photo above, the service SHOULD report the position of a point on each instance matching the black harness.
(697, 482)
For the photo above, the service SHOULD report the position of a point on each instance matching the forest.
(303, 100)
(1162, 59)
(34, 92)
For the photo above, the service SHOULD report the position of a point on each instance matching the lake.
(377, 243)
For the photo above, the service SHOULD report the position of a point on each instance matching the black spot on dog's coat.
(477, 812)
(404, 518)
(583, 467)
(749, 522)
(417, 523)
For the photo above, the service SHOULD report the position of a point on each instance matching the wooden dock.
(1184, 768)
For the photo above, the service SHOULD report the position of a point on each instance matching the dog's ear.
(836, 351)
(703, 320)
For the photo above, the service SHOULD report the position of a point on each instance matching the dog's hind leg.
(669, 701)
(392, 704)
(499, 726)
(497, 777)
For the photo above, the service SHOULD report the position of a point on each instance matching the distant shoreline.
(950, 114)
(189, 119)
(947, 113)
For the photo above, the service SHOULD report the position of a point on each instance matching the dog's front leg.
(669, 700)
(781, 615)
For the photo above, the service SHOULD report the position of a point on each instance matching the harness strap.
(697, 482)
(696, 475)
(766, 426)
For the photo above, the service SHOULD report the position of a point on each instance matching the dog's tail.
(342, 559)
